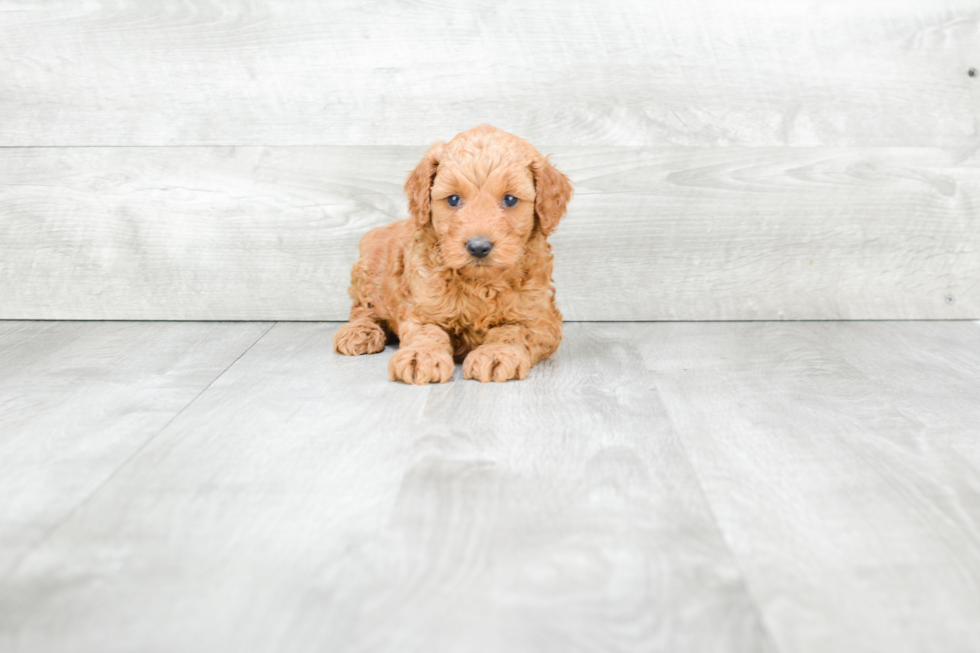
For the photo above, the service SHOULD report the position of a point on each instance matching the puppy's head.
(484, 194)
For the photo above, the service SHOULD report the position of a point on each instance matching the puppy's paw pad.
(496, 363)
(421, 366)
(361, 337)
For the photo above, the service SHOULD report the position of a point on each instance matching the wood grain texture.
(841, 463)
(652, 233)
(929, 372)
(78, 399)
(702, 73)
(306, 503)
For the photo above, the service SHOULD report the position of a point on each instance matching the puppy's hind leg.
(362, 335)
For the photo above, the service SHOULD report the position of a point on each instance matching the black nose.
(479, 246)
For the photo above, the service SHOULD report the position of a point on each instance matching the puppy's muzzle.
(479, 246)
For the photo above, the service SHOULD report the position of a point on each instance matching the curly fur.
(416, 280)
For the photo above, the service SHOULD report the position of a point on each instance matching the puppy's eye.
(510, 201)
(452, 200)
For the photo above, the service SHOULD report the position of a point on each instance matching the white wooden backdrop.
(763, 159)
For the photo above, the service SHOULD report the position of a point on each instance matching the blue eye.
(510, 201)
(453, 200)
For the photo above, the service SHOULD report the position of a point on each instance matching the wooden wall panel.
(636, 73)
(219, 159)
(257, 233)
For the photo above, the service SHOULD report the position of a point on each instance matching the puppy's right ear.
(418, 186)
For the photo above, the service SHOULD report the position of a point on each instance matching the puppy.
(468, 275)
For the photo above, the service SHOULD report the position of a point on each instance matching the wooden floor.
(747, 486)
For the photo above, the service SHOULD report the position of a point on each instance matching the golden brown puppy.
(469, 273)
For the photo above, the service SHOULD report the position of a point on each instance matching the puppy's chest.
(468, 311)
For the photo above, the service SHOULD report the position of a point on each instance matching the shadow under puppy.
(468, 275)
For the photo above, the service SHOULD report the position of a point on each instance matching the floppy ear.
(552, 191)
(418, 186)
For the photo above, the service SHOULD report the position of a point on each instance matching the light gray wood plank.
(930, 373)
(306, 503)
(77, 399)
(225, 72)
(652, 233)
(855, 521)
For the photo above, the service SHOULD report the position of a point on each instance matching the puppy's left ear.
(418, 186)
(552, 191)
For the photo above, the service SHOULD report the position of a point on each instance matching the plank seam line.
(71, 513)
(744, 579)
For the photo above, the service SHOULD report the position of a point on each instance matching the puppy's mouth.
(480, 268)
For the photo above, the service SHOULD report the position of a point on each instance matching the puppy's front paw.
(420, 366)
(359, 337)
(496, 363)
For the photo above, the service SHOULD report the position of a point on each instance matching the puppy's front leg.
(509, 351)
(425, 355)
